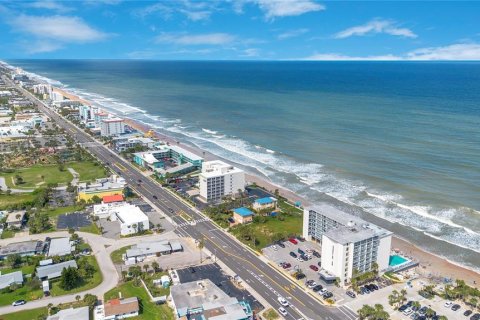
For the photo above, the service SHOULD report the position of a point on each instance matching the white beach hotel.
(348, 242)
(219, 179)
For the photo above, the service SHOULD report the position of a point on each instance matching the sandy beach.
(429, 264)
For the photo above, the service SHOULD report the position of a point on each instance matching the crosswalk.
(192, 223)
(348, 312)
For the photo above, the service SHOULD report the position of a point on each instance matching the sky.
(240, 30)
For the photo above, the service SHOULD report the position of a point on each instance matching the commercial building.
(112, 199)
(113, 185)
(121, 144)
(264, 203)
(26, 248)
(121, 308)
(349, 244)
(59, 247)
(112, 127)
(53, 271)
(11, 278)
(242, 215)
(219, 179)
(82, 313)
(16, 219)
(168, 159)
(131, 218)
(142, 250)
(204, 300)
(87, 115)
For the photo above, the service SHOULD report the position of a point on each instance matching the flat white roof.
(129, 214)
(217, 167)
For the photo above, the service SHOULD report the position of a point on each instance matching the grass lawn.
(92, 228)
(55, 212)
(88, 171)
(156, 291)
(148, 310)
(264, 232)
(88, 283)
(32, 176)
(21, 293)
(14, 199)
(117, 254)
(27, 269)
(7, 234)
(288, 208)
(25, 315)
(270, 314)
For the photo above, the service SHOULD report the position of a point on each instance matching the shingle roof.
(112, 198)
(54, 270)
(121, 306)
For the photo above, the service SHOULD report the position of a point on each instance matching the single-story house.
(113, 198)
(142, 250)
(82, 313)
(265, 203)
(242, 215)
(53, 271)
(59, 247)
(25, 248)
(10, 278)
(121, 308)
(16, 219)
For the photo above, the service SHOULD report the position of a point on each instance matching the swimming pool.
(396, 260)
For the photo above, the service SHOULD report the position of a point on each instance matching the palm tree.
(134, 226)
(201, 245)
(146, 267)
(77, 297)
(155, 266)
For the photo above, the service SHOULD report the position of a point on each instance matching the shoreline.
(429, 263)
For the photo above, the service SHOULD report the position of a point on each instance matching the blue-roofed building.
(242, 215)
(265, 203)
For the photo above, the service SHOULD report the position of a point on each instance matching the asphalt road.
(265, 280)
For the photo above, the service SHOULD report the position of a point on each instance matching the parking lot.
(74, 220)
(310, 268)
(221, 279)
(437, 303)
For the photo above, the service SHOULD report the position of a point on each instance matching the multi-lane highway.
(265, 280)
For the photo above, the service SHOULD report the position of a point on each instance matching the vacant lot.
(148, 310)
(88, 171)
(15, 199)
(26, 314)
(36, 176)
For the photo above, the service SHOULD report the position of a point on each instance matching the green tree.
(155, 266)
(14, 260)
(70, 278)
(90, 300)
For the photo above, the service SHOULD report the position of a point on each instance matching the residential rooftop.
(82, 313)
(242, 211)
(121, 306)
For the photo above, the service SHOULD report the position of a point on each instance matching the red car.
(293, 240)
(286, 265)
(314, 267)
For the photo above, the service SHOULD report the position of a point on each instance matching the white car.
(323, 291)
(282, 311)
(407, 311)
(275, 248)
(448, 304)
(283, 301)
(311, 285)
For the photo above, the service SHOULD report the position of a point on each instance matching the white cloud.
(50, 5)
(285, 8)
(61, 28)
(42, 46)
(292, 33)
(195, 39)
(459, 51)
(250, 53)
(342, 57)
(193, 10)
(374, 27)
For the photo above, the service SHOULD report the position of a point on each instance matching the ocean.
(397, 143)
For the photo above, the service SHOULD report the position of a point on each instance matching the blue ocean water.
(395, 142)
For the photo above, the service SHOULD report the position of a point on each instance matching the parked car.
(293, 240)
(310, 283)
(299, 276)
(455, 307)
(19, 303)
(316, 254)
(286, 265)
(403, 308)
(476, 316)
(293, 254)
(467, 313)
(317, 288)
(313, 267)
(351, 294)
(327, 295)
(274, 247)
(301, 251)
(301, 239)
(282, 311)
(283, 301)
(280, 244)
(448, 304)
